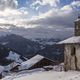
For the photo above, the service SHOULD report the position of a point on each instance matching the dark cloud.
(8, 4)
(56, 20)
(59, 16)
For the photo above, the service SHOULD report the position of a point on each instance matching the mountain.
(28, 42)
(46, 42)
(28, 48)
(45, 36)
(38, 32)
(7, 56)
(4, 33)
(54, 52)
(20, 45)
(33, 33)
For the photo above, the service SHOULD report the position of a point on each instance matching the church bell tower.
(77, 27)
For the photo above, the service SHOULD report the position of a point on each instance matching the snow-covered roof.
(77, 19)
(75, 39)
(11, 66)
(32, 61)
(1, 69)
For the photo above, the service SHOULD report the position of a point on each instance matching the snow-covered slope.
(8, 55)
(1, 69)
(4, 33)
(46, 75)
(14, 57)
(41, 74)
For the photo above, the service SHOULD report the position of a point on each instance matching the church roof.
(71, 40)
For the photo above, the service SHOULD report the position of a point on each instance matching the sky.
(39, 13)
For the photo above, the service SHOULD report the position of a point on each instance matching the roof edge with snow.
(71, 40)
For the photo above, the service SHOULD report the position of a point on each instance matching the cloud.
(76, 3)
(38, 3)
(53, 18)
(50, 2)
(8, 8)
(56, 17)
(10, 13)
(8, 4)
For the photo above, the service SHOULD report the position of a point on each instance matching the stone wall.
(70, 61)
(77, 28)
(78, 56)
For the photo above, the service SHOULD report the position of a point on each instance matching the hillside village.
(21, 65)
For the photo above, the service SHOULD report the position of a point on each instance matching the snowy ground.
(45, 75)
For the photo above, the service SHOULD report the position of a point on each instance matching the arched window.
(73, 51)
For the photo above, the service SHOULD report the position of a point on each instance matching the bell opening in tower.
(77, 27)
